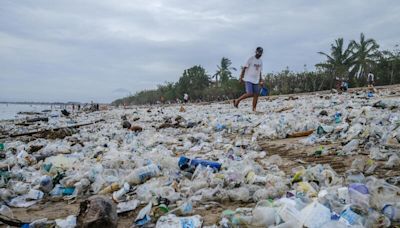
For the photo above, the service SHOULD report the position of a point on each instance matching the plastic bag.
(393, 161)
(143, 216)
(288, 211)
(351, 146)
(127, 206)
(315, 215)
(6, 211)
(172, 221)
(239, 194)
(69, 222)
(263, 216)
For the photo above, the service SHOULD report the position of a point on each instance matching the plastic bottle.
(160, 210)
(81, 186)
(282, 121)
(143, 174)
(355, 177)
(343, 194)
(350, 217)
(252, 178)
(392, 212)
(58, 190)
(359, 195)
(68, 191)
(46, 184)
(109, 189)
(338, 117)
(220, 127)
(190, 165)
(186, 207)
(120, 193)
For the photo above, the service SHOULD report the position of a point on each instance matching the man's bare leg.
(255, 100)
(244, 96)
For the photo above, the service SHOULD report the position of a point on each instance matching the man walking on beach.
(251, 76)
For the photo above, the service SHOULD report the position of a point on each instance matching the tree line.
(350, 62)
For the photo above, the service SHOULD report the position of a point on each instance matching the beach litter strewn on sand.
(311, 160)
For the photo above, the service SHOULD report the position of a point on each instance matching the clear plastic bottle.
(143, 174)
(392, 211)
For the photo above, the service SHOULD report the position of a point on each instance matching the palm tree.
(391, 58)
(365, 53)
(224, 71)
(339, 61)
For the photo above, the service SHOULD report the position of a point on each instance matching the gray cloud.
(88, 50)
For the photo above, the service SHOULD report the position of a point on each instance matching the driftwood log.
(52, 129)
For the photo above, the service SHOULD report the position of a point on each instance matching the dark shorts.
(370, 82)
(252, 88)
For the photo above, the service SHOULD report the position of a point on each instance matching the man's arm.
(242, 74)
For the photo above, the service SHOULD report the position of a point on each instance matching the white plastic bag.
(172, 221)
(315, 215)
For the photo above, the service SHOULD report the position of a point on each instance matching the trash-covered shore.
(315, 160)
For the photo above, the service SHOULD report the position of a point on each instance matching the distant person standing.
(371, 80)
(251, 76)
(344, 86)
(185, 98)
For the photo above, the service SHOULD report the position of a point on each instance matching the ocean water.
(9, 111)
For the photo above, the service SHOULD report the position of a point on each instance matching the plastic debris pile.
(164, 164)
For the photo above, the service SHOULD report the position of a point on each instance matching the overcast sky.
(70, 50)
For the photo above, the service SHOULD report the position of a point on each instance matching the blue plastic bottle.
(338, 117)
(190, 165)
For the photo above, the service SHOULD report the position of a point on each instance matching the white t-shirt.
(185, 96)
(253, 70)
(370, 77)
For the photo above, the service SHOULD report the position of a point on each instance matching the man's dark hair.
(259, 49)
